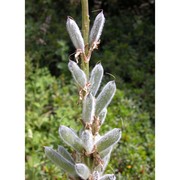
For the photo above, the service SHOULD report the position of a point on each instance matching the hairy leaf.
(75, 34)
(106, 161)
(97, 28)
(64, 153)
(108, 177)
(87, 139)
(78, 74)
(95, 79)
(82, 170)
(106, 152)
(59, 160)
(88, 108)
(102, 116)
(96, 175)
(70, 138)
(105, 97)
(102, 167)
(108, 140)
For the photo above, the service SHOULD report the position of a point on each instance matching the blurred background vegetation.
(126, 51)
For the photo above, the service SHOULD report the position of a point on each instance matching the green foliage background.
(126, 51)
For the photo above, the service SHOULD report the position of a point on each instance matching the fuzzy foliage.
(50, 102)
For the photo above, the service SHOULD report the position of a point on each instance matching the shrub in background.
(128, 48)
(48, 99)
(122, 168)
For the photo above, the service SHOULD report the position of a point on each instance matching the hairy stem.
(85, 32)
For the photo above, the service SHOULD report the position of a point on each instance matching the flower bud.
(75, 34)
(78, 74)
(96, 78)
(82, 170)
(108, 140)
(97, 28)
(70, 138)
(88, 108)
(105, 97)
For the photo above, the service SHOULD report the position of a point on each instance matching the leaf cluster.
(49, 103)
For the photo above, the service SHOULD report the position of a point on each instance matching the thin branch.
(85, 32)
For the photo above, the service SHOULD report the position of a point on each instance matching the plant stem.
(85, 32)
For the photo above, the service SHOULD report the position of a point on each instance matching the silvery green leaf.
(102, 167)
(99, 169)
(96, 175)
(106, 152)
(108, 177)
(87, 139)
(105, 97)
(64, 153)
(96, 78)
(59, 160)
(102, 116)
(108, 140)
(88, 108)
(78, 74)
(82, 170)
(105, 162)
(70, 138)
(97, 28)
(75, 34)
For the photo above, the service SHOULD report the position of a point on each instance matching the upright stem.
(85, 31)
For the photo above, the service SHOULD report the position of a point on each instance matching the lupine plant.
(91, 150)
